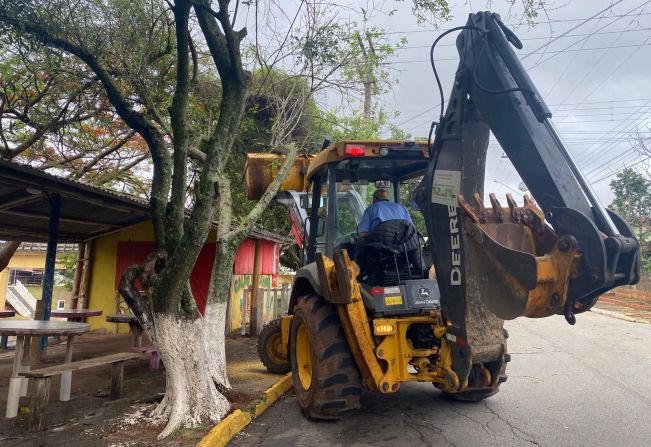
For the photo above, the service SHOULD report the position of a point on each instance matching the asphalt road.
(582, 385)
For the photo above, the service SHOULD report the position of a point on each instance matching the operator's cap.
(380, 194)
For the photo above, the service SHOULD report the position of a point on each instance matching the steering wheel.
(345, 239)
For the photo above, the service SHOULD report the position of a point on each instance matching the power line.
(574, 27)
(609, 143)
(525, 39)
(576, 54)
(553, 53)
(603, 27)
(553, 105)
(620, 65)
(584, 20)
(620, 170)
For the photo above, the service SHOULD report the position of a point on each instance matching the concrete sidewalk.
(91, 420)
(249, 378)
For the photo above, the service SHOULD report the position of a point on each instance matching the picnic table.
(76, 315)
(134, 326)
(4, 340)
(24, 331)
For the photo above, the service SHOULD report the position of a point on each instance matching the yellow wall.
(101, 291)
(27, 260)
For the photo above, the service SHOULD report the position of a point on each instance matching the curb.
(231, 425)
(619, 316)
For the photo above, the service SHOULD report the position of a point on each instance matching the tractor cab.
(393, 273)
(337, 185)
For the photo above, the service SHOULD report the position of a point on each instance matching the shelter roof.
(86, 211)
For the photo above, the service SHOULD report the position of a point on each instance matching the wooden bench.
(43, 376)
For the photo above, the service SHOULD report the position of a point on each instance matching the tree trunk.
(191, 397)
(215, 314)
(214, 341)
(7, 251)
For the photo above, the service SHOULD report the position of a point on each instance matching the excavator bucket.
(522, 266)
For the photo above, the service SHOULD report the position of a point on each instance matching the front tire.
(270, 349)
(326, 380)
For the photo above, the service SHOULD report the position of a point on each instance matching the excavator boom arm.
(572, 241)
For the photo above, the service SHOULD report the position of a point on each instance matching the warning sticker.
(395, 300)
(445, 187)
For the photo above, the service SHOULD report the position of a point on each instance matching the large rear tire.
(270, 348)
(326, 380)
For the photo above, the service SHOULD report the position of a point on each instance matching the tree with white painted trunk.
(122, 44)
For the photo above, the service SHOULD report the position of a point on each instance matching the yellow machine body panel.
(262, 168)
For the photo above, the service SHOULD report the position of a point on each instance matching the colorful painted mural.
(273, 289)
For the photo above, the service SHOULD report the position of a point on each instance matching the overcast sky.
(595, 79)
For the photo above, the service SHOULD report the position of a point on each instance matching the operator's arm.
(364, 226)
(407, 215)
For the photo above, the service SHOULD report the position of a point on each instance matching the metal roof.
(86, 211)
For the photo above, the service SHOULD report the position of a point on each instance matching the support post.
(24, 364)
(255, 285)
(15, 382)
(35, 352)
(117, 380)
(76, 282)
(66, 377)
(85, 277)
(50, 260)
(136, 334)
(37, 421)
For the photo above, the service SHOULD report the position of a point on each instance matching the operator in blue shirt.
(380, 211)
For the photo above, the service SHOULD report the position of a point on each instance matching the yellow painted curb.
(226, 429)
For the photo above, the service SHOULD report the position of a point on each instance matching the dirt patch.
(631, 303)
(90, 419)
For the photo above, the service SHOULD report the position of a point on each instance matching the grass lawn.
(58, 293)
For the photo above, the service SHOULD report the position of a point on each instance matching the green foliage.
(55, 110)
(353, 126)
(429, 11)
(632, 201)
(264, 109)
(69, 262)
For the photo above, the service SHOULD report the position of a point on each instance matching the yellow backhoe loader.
(385, 308)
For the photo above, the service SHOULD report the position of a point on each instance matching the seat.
(391, 253)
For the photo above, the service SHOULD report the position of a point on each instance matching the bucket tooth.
(516, 211)
(469, 210)
(511, 202)
(479, 204)
(527, 200)
(497, 208)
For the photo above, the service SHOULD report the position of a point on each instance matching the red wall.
(245, 255)
(129, 253)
